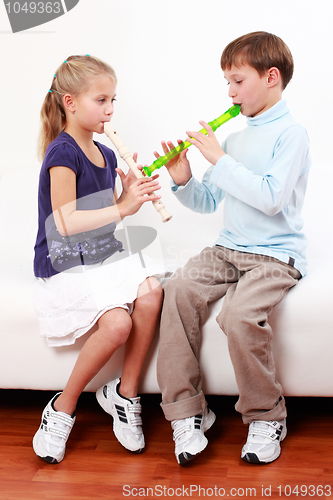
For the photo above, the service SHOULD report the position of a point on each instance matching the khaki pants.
(252, 285)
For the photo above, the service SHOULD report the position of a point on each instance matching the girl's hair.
(74, 76)
(262, 51)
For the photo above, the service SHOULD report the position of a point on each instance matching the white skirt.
(70, 303)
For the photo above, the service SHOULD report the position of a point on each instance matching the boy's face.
(249, 89)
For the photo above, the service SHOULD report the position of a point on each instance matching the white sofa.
(303, 340)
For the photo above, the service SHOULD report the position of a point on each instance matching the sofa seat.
(302, 322)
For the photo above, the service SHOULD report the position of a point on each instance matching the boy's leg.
(244, 319)
(204, 278)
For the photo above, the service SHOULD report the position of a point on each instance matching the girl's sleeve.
(112, 161)
(63, 155)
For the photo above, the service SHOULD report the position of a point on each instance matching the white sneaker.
(126, 413)
(188, 435)
(49, 442)
(263, 441)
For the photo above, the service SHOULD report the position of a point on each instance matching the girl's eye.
(238, 81)
(101, 100)
(113, 100)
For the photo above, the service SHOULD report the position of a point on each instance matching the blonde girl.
(87, 281)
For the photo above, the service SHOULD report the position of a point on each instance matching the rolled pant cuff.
(279, 412)
(185, 408)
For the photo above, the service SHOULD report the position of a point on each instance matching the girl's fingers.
(147, 183)
(120, 173)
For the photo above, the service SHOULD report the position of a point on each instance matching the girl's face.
(95, 106)
(248, 88)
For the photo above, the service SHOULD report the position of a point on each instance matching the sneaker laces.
(264, 432)
(58, 426)
(180, 427)
(134, 410)
(183, 426)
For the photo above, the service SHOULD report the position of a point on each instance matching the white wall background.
(166, 56)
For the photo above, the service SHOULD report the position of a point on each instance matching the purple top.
(94, 189)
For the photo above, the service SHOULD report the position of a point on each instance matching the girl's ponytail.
(53, 120)
(74, 76)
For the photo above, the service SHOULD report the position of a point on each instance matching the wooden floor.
(97, 467)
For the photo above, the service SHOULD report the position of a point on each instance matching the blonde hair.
(74, 76)
(262, 51)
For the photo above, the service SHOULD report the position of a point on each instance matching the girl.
(85, 278)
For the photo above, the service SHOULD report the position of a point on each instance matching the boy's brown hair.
(262, 51)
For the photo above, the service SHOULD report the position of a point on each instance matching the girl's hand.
(207, 144)
(139, 192)
(129, 178)
(179, 166)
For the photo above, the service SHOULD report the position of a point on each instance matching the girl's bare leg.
(114, 328)
(145, 319)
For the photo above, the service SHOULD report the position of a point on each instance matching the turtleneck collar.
(279, 109)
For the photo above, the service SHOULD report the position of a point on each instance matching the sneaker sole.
(104, 404)
(252, 458)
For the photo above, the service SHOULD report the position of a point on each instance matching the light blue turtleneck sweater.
(262, 179)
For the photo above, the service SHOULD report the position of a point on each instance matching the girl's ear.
(273, 77)
(69, 104)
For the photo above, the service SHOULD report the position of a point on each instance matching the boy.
(261, 173)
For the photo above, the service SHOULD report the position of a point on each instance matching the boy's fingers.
(165, 147)
(206, 126)
(170, 146)
(192, 136)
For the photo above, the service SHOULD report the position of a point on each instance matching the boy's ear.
(69, 103)
(273, 77)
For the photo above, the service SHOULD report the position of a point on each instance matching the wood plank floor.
(97, 467)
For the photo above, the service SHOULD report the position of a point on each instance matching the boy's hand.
(179, 166)
(207, 144)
